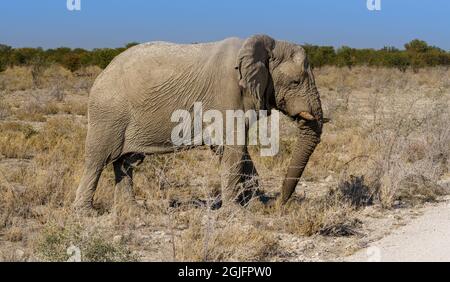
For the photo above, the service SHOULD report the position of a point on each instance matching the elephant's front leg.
(238, 174)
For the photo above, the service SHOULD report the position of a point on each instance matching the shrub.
(71, 59)
(55, 243)
(417, 54)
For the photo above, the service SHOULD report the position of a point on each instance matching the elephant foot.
(242, 197)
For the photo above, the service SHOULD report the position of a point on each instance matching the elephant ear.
(253, 60)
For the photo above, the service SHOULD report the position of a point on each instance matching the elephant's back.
(167, 51)
(147, 65)
(161, 54)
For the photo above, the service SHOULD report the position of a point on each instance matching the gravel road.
(426, 238)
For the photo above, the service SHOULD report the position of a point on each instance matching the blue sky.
(112, 23)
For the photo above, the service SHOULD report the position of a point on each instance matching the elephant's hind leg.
(85, 192)
(123, 171)
(103, 144)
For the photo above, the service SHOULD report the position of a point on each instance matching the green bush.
(72, 59)
(320, 55)
(5, 52)
(417, 54)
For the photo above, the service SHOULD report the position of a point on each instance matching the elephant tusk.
(307, 116)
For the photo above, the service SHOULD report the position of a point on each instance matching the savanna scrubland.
(383, 157)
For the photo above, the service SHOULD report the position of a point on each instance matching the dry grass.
(48, 77)
(411, 144)
(15, 140)
(387, 146)
(5, 110)
(222, 237)
(57, 156)
(63, 243)
(326, 216)
(381, 79)
(16, 78)
(14, 234)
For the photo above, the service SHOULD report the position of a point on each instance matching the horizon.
(49, 24)
(402, 48)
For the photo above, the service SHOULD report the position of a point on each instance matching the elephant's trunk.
(309, 138)
(310, 125)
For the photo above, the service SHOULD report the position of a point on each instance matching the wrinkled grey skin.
(132, 100)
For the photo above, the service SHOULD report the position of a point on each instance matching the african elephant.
(131, 102)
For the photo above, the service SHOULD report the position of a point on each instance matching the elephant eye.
(295, 82)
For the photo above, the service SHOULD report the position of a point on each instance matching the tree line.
(72, 59)
(416, 54)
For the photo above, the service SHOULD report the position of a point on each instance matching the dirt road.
(426, 238)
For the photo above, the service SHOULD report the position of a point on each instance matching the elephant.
(131, 102)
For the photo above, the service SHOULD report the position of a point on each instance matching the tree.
(320, 55)
(131, 44)
(5, 52)
(344, 57)
(421, 54)
(417, 46)
(102, 57)
(417, 54)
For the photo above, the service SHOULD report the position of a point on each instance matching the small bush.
(327, 215)
(54, 243)
(417, 189)
(100, 250)
(354, 191)
(232, 242)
